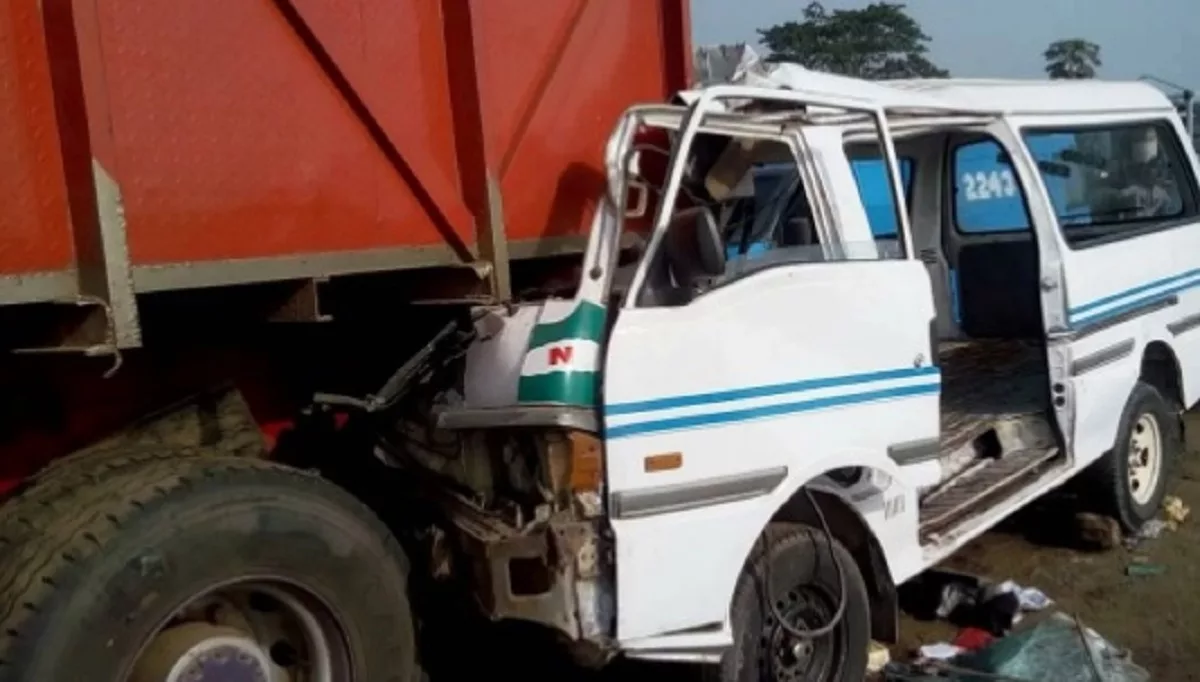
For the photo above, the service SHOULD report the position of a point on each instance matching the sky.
(1006, 38)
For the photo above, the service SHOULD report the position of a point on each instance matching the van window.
(1114, 181)
(987, 196)
(874, 188)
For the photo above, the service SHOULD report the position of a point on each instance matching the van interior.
(997, 428)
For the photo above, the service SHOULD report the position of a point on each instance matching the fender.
(883, 496)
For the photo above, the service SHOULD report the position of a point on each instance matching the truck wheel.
(206, 569)
(804, 586)
(1132, 479)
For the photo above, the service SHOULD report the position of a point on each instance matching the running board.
(979, 489)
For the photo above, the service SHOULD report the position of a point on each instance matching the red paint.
(972, 639)
(230, 138)
(561, 355)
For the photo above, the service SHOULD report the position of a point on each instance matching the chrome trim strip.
(915, 451)
(632, 504)
(522, 416)
(1104, 356)
(1184, 324)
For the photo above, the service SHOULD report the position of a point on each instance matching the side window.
(875, 190)
(1114, 181)
(742, 208)
(987, 197)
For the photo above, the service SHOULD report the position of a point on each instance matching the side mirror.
(694, 246)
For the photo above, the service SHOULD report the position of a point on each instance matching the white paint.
(832, 326)
(985, 186)
(801, 322)
(493, 362)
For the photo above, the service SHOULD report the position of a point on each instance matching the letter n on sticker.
(561, 355)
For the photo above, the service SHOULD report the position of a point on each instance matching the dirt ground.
(1157, 618)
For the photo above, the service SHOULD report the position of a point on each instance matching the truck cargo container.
(210, 210)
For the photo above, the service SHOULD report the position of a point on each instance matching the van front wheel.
(795, 569)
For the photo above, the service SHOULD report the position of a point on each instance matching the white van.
(799, 410)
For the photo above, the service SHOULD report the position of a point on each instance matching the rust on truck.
(172, 147)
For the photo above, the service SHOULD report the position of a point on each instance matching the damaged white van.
(802, 400)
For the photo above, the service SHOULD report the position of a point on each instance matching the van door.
(1115, 221)
(720, 404)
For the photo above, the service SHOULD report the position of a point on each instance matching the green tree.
(1072, 59)
(879, 41)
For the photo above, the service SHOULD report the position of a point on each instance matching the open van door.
(720, 402)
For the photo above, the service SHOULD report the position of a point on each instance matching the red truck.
(212, 211)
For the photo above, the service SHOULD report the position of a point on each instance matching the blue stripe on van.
(765, 391)
(732, 416)
(770, 390)
(1083, 313)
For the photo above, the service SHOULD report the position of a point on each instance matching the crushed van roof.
(958, 95)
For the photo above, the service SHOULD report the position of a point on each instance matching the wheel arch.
(848, 526)
(1161, 369)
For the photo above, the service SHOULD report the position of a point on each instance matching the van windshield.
(777, 199)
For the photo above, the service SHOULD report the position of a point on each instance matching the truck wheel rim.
(1145, 458)
(247, 631)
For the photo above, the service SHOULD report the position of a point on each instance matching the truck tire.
(69, 473)
(1131, 479)
(205, 568)
(804, 584)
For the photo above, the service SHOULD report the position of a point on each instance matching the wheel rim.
(1145, 458)
(247, 631)
(782, 656)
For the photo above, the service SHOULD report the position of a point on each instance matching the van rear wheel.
(798, 566)
(205, 569)
(1131, 480)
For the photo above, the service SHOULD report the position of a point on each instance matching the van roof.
(1029, 96)
(961, 95)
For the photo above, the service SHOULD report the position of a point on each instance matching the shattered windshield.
(775, 197)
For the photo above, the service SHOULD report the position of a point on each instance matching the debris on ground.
(1142, 567)
(970, 602)
(940, 651)
(1028, 598)
(1098, 532)
(971, 639)
(1055, 649)
(1176, 511)
(878, 656)
(1149, 531)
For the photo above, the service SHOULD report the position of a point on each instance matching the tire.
(1132, 505)
(72, 471)
(799, 556)
(116, 556)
